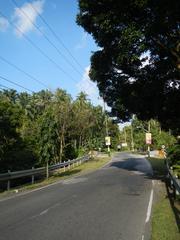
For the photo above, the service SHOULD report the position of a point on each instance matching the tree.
(47, 138)
(45, 128)
(63, 116)
(9, 115)
(137, 66)
(14, 153)
(159, 137)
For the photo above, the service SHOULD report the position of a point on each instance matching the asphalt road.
(108, 204)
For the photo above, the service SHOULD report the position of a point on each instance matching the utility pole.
(125, 138)
(148, 136)
(106, 126)
(132, 138)
(149, 130)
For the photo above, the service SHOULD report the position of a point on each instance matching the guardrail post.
(8, 183)
(32, 181)
(47, 170)
(174, 192)
(64, 167)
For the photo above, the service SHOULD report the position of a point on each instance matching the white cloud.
(91, 89)
(86, 85)
(22, 22)
(3, 24)
(83, 42)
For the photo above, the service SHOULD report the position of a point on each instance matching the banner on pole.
(108, 141)
(148, 138)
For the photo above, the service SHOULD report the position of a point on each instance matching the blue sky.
(17, 21)
(60, 15)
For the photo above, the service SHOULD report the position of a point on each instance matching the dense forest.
(49, 127)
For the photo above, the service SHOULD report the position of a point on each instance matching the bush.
(70, 153)
(174, 154)
(19, 157)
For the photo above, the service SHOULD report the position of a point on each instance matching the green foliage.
(174, 154)
(136, 133)
(137, 66)
(48, 127)
(70, 152)
(47, 138)
(9, 122)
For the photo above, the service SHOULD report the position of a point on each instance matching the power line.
(7, 80)
(22, 71)
(45, 36)
(38, 48)
(57, 37)
(3, 86)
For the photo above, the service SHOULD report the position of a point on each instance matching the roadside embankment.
(166, 209)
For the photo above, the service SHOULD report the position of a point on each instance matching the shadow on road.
(159, 173)
(134, 165)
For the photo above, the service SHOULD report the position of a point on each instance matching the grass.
(59, 175)
(164, 226)
(166, 211)
(159, 167)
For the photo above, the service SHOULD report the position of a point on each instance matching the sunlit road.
(108, 204)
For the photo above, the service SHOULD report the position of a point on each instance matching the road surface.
(112, 203)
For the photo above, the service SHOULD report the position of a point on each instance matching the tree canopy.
(48, 127)
(137, 65)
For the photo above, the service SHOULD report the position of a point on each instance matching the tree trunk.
(61, 150)
(80, 141)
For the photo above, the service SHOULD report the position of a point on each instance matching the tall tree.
(137, 66)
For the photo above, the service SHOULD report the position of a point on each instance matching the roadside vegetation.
(49, 127)
(166, 210)
(174, 158)
(134, 135)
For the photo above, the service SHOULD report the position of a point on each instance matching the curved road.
(108, 204)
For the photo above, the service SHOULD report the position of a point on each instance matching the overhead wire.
(38, 48)
(3, 86)
(12, 82)
(45, 36)
(22, 71)
(57, 37)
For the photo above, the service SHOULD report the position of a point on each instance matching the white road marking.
(149, 207)
(138, 173)
(44, 212)
(30, 191)
(142, 237)
(37, 189)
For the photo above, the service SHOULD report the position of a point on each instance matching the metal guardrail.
(40, 171)
(174, 182)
